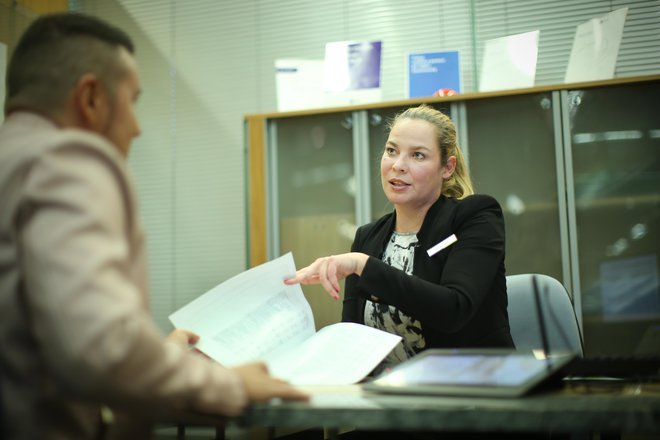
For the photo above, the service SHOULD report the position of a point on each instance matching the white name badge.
(443, 244)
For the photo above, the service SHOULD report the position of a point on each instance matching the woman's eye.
(418, 155)
(390, 151)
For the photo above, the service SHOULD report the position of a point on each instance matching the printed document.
(596, 48)
(509, 62)
(255, 316)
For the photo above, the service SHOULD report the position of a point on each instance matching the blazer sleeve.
(451, 289)
(87, 312)
(353, 302)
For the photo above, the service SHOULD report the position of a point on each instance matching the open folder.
(255, 316)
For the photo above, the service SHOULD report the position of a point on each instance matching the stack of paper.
(255, 316)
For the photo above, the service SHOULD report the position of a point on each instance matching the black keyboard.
(626, 367)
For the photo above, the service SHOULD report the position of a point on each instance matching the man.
(75, 333)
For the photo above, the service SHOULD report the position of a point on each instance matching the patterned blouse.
(400, 253)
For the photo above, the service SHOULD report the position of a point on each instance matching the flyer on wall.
(433, 74)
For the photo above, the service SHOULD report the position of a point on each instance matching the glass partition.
(578, 180)
(315, 180)
(512, 157)
(615, 148)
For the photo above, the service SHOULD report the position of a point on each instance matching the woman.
(396, 280)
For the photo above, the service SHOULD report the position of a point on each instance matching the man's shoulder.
(86, 141)
(30, 135)
(81, 141)
(33, 150)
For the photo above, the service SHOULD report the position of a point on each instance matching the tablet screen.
(467, 371)
(470, 370)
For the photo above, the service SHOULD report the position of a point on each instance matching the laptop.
(467, 372)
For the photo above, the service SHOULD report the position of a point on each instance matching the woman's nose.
(399, 164)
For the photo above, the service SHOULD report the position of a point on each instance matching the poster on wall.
(3, 69)
(596, 47)
(509, 62)
(433, 74)
(630, 288)
(299, 84)
(352, 72)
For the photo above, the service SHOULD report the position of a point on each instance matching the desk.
(575, 408)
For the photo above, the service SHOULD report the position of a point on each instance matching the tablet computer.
(463, 372)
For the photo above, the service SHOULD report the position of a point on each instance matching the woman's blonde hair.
(459, 185)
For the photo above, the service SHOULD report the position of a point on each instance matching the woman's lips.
(398, 183)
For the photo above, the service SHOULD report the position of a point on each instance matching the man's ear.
(90, 103)
(449, 167)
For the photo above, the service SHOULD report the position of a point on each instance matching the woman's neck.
(410, 220)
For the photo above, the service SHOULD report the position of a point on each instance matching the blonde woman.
(432, 271)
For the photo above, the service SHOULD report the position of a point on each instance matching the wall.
(204, 64)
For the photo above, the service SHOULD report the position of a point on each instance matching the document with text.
(255, 316)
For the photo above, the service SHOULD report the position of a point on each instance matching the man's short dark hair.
(55, 51)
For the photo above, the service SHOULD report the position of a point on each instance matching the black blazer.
(459, 294)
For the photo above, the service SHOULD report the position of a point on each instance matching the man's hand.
(261, 386)
(183, 338)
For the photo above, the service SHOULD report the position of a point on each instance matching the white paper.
(299, 84)
(595, 48)
(509, 62)
(352, 73)
(335, 396)
(249, 315)
(338, 354)
(255, 316)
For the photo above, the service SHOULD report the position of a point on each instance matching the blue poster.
(433, 74)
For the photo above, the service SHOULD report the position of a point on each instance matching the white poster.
(299, 84)
(509, 62)
(595, 48)
(352, 72)
(3, 69)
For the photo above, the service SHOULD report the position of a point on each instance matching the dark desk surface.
(619, 408)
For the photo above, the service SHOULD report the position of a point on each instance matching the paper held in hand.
(255, 316)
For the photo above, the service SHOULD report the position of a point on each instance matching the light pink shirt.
(75, 332)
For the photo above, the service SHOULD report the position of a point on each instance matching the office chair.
(559, 320)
